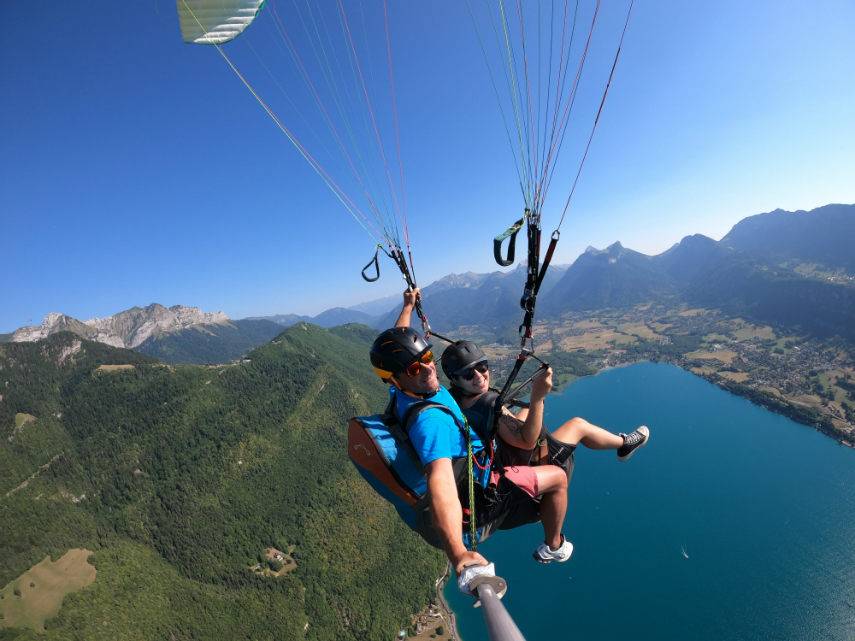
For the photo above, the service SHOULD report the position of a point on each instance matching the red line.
(599, 111)
(566, 113)
(559, 77)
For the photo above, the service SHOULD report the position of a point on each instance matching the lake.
(731, 523)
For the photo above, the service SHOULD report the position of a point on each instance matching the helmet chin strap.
(422, 395)
(464, 393)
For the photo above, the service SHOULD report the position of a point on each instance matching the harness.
(461, 466)
(479, 414)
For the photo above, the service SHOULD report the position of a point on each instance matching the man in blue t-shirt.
(430, 433)
(520, 494)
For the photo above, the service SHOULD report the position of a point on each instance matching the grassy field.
(114, 368)
(36, 595)
(725, 356)
(22, 419)
(593, 339)
(738, 377)
(752, 331)
(638, 329)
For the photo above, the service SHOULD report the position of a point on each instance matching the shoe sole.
(545, 561)
(646, 433)
(540, 559)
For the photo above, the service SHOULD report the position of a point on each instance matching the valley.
(807, 379)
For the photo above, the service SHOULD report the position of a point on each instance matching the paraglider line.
(599, 111)
(331, 184)
(321, 104)
(530, 127)
(556, 144)
(514, 91)
(397, 133)
(368, 103)
(340, 194)
(560, 78)
(498, 99)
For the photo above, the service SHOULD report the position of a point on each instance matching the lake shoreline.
(779, 404)
(431, 618)
(443, 604)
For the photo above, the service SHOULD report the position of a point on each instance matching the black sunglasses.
(469, 374)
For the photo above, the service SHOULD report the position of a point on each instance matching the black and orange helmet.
(395, 350)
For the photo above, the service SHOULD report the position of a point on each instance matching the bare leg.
(552, 484)
(578, 430)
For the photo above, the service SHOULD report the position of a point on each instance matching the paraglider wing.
(339, 111)
(215, 21)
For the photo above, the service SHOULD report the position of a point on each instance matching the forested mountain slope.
(179, 478)
(204, 344)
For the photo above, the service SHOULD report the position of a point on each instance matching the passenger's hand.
(541, 385)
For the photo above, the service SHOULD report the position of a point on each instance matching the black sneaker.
(632, 442)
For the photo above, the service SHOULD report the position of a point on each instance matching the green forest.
(178, 478)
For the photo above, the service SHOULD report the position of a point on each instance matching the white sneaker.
(545, 554)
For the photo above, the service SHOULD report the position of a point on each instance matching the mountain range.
(789, 268)
(174, 335)
(779, 268)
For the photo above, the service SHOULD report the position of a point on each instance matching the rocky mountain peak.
(127, 329)
(615, 249)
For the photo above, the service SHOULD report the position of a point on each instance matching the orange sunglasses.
(415, 368)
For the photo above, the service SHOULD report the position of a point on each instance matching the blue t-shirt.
(435, 434)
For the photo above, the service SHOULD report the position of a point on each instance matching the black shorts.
(506, 506)
(558, 453)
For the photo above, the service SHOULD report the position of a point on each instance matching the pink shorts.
(523, 476)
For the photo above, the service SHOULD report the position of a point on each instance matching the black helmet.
(459, 356)
(395, 350)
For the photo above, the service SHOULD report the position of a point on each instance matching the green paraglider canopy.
(215, 21)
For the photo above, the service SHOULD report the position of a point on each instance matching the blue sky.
(137, 169)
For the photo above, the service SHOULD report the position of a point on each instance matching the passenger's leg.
(578, 430)
(552, 485)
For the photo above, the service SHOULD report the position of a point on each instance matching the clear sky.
(135, 168)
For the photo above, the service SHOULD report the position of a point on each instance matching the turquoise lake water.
(764, 509)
